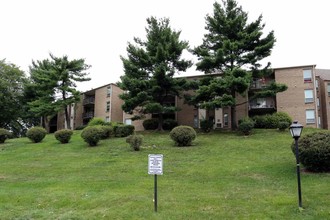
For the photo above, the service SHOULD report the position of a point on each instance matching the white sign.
(155, 164)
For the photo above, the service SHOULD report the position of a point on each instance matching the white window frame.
(309, 96)
(307, 75)
(310, 116)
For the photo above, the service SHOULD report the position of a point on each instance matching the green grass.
(222, 176)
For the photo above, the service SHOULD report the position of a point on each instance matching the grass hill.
(222, 176)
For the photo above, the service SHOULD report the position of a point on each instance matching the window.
(328, 89)
(309, 96)
(225, 119)
(310, 116)
(318, 103)
(107, 119)
(128, 121)
(108, 107)
(307, 76)
(316, 84)
(319, 120)
(108, 91)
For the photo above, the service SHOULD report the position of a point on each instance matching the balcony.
(260, 83)
(88, 115)
(89, 101)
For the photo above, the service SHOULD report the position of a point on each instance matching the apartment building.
(102, 102)
(323, 103)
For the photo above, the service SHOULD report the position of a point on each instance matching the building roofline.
(93, 89)
(293, 67)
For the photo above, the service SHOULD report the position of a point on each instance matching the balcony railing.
(88, 115)
(261, 106)
(88, 101)
(259, 84)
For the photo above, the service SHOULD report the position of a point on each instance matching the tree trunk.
(67, 118)
(160, 122)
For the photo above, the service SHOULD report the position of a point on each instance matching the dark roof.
(323, 73)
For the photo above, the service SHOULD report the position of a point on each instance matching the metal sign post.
(155, 167)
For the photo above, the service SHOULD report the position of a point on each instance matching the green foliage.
(63, 135)
(135, 141)
(91, 135)
(233, 47)
(150, 124)
(245, 126)
(282, 125)
(123, 130)
(12, 102)
(314, 151)
(96, 121)
(276, 120)
(150, 69)
(4, 134)
(106, 131)
(36, 134)
(81, 127)
(169, 124)
(56, 76)
(206, 125)
(183, 135)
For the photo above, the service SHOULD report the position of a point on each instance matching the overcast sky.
(98, 30)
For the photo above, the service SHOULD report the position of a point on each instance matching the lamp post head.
(296, 129)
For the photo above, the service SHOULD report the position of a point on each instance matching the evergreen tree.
(233, 48)
(54, 83)
(149, 71)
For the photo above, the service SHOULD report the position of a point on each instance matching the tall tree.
(150, 68)
(55, 81)
(12, 81)
(234, 48)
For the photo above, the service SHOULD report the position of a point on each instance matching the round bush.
(91, 135)
(183, 135)
(4, 134)
(36, 134)
(314, 151)
(123, 130)
(106, 131)
(282, 125)
(96, 121)
(246, 126)
(63, 135)
(135, 141)
(150, 124)
(169, 124)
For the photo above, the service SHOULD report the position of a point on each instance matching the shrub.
(135, 141)
(271, 121)
(4, 134)
(314, 151)
(259, 121)
(63, 135)
(282, 125)
(169, 124)
(81, 127)
(150, 124)
(123, 130)
(91, 135)
(36, 134)
(96, 121)
(106, 131)
(183, 135)
(246, 125)
(206, 125)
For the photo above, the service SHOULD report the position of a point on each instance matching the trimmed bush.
(123, 130)
(91, 135)
(81, 127)
(271, 121)
(36, 134)
(206, 125)
(314, 151)
(106, 131)
(96, 121)
(169, 124)
(245, 126)
(183, 135)
(135, 141)
(282, 125)
(4, 135)
(150, 124)
(63, 135)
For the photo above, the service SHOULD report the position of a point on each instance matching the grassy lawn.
(223, 176)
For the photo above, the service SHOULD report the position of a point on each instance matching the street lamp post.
(295, 130)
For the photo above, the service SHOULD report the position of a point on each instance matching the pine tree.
(150, 69)
(54, 82)
(233, 48)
